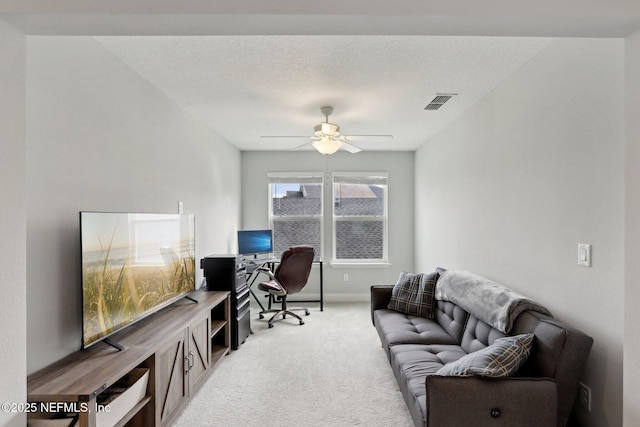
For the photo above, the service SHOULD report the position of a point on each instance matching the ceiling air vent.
(439, 101)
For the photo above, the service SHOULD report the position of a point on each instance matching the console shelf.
(168, 343)
(132, 413)
(216, 326)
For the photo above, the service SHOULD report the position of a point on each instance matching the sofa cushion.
(414, 294)
(452, 319)
(478, 335)
(394, 328)
(412, 363)
(501, 359)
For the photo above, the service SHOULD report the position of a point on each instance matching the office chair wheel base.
(302, 322)
(306, 312)
(260, 316)
(271, 325)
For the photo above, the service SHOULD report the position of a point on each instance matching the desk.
(252, 265)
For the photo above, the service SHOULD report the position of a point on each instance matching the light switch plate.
(584, 254)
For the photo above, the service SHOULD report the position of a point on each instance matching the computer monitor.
(255, 241)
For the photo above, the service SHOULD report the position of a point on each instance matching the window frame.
(363, 178)
(297, 178)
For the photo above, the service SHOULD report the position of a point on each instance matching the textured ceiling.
(244, 87)
(248, 68)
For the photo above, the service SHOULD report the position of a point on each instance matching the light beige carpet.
(331, 371)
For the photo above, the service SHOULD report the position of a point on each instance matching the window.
(360, 217)
(295, 210)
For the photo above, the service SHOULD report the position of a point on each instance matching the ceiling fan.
(327, 138)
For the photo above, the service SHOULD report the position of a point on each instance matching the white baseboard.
(334, 297)
(328, 298)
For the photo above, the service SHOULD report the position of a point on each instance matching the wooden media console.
(179, 346)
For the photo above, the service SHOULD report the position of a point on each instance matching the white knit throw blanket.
(489, 301)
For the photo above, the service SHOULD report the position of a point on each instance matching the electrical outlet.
(346, 277)
(584, 396)
(180, 207)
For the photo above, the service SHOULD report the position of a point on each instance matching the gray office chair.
(290, 277)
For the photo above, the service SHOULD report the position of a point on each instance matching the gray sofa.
(540, 393)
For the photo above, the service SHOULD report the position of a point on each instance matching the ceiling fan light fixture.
(326, 136)
(326, 128)
(327, 145)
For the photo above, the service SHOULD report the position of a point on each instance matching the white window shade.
(366, 180)
(288, 178)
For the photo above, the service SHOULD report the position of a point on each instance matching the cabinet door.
(199, 351)
(172, 366)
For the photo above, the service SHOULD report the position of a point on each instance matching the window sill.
(336, 264)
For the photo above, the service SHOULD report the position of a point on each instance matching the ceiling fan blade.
(283, 136)
(350, 148)
(300, 147)
(365, 137)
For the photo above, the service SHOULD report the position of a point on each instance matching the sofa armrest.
(380, 297)
(454, 401)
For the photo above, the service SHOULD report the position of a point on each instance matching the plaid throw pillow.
(414, 294)
(501, 359)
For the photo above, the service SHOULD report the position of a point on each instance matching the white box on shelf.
(120, 398)
(55, 422)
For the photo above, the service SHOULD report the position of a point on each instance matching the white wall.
(510, 189)
(632, 234)
(102, 138)
(256, 165)
(13, 284)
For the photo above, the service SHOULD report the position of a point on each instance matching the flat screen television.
(133, 264)
(255, 241)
